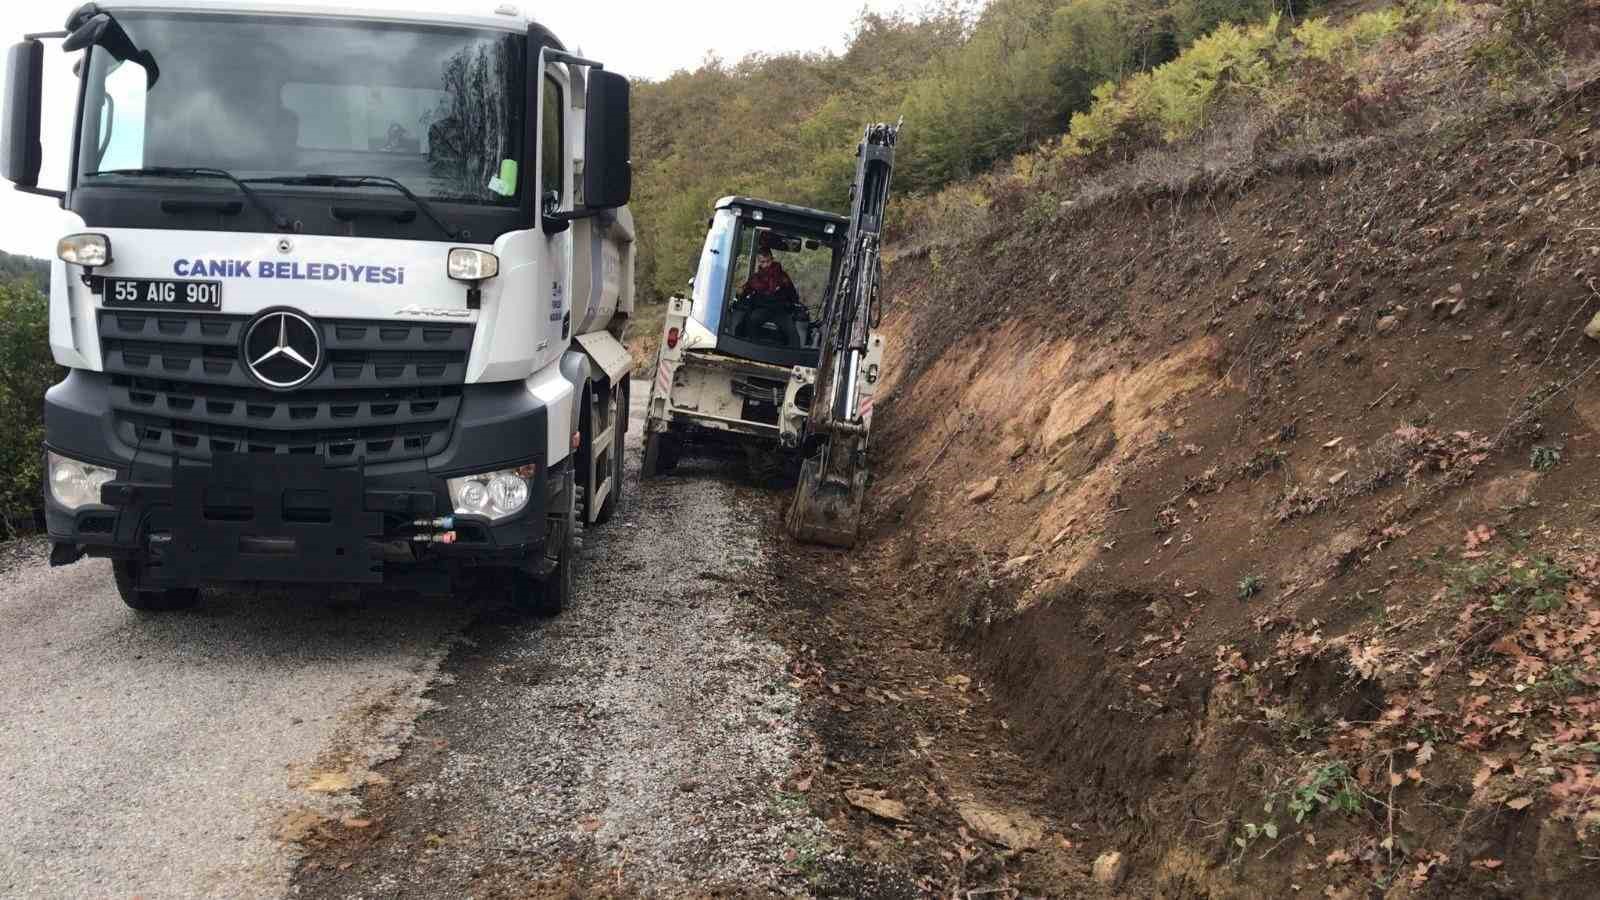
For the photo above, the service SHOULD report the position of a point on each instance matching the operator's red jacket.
(771, 283)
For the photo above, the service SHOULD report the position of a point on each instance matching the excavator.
(776, 346)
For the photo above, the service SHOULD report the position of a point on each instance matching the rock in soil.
(1015, 830)
(1109, 869)
(1593, 331)
(983, 490)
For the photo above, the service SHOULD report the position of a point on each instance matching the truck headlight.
(494, 495)
(467, 264)
(75, 484)
(88, 250)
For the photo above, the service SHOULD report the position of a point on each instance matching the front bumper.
(283, 517)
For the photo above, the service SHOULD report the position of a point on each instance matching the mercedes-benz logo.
(282, 349)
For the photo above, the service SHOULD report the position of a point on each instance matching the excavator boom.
(833, 474)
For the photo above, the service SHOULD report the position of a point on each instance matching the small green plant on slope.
(1543, 459)
(1326, 786)
(1513, 583)
(1251, 585)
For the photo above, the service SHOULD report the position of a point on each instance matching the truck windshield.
(437, 109)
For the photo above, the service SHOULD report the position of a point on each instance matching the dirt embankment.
(1288, 573)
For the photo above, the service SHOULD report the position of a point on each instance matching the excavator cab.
(764, 274)
(739, 355)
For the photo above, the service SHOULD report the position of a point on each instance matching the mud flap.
(827, 509)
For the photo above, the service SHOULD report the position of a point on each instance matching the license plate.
(163, 293)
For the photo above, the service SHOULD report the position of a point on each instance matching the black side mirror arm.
(556, 220)
(60, 196)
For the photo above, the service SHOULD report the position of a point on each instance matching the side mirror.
(607, 170)
(20, 145)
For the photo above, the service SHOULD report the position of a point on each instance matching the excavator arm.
(833, 474)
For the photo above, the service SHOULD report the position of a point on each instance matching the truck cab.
(738, 356)
(342, 301)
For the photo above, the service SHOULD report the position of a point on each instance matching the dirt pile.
(1270, 513)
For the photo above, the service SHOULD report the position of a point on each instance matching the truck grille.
(388, 391)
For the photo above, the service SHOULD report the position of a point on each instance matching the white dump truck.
(342, 300)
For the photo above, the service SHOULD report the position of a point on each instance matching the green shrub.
(1173, 99)
(1527, 38)
(1330, 43)
(26, 371)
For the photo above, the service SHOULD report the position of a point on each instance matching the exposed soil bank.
(1288, 581)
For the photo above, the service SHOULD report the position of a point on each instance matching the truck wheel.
(547, 597)
(127, 573)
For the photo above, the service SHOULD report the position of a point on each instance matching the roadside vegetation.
(977, 85)
(26, 371)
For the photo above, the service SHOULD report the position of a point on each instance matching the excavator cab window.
(776, 289)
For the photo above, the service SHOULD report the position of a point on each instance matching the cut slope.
(1289, 578)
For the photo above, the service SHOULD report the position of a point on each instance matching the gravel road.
(637, 742)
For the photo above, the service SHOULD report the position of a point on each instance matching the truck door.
(558, 137)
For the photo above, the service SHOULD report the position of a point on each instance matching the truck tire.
(127, 573)
(546, 597)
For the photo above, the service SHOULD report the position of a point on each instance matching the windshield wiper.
(261, 206)
(315, 180)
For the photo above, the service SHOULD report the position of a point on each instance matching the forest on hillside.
(975, 83)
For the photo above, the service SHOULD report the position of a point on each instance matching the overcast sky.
(639, 38)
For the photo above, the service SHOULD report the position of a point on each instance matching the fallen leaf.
(1477, 537)
(1520, 803)
(295, 827)
(1425, 755)
(330, 783)
(1395, 779)
(876, 803)
(350, 822)
(1414, 774)
(958, 680)
(1339, 858)
(1490, 864)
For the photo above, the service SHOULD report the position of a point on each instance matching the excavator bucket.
(826, 510)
